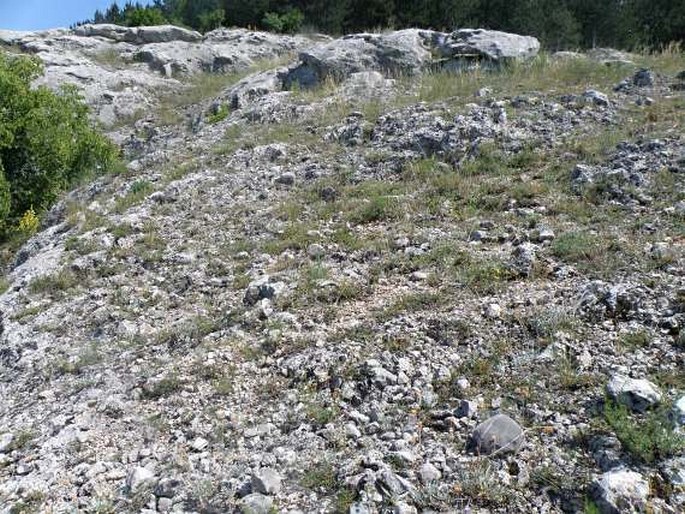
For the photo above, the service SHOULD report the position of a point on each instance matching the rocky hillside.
(401, 272)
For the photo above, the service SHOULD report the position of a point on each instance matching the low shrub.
(47, 143)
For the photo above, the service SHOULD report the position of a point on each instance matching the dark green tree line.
(557, 23)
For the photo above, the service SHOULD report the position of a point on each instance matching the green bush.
(289, 22)
(47, 143)
(649, 438)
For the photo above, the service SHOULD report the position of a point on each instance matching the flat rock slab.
(490, 44)
(138, 35)
(619, 491)
(636, 394)
(499, 433)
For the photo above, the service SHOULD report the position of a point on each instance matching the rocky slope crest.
(400, 272)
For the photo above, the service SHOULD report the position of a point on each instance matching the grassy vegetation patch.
(409, 303)
(138, 191)
(648, 438)
(162, 388)
(89, 356)
(55, 284)
(578, 246)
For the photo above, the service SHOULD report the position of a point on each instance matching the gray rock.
(499, 434)
(167, 487)
(620, 491)
(261, 430)
(23, 469)
(253, 87)
(429, 473)
(606, 451)
(328, 194)
(6, 442)
(404, 508)
(644, 78)
(380, 376)
(490, 44)
(360, 508)
(478, 235)
(316, 251)
(582, 174)
(565, 55)
(256, 503)
(199, 444)
(120, 70)
(543, 234)
(266, 481)
(662, 252)
(595, 97)
(260, 289)
(405, 51)
(600, 300)
(391, 485)
(419, 276)
(352, 431)
(367, 85)
(674, 470)
(636, 394)
(139, 478)
(467, 409)
(493, 311)
(610, 56)
(286, 179)
(463, 384)
(405, 457)
(139, 35)
(678, 411)
(523, 259)
(164, 504)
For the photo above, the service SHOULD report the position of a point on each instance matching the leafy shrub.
(47, 143)
(289, 22)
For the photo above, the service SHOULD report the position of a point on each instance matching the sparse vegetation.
(55, 284)
(87, 357)
(401, 315)
(23, 439)
(647, 438)
(635, 339)
(321, 414)
(166, 386)
(136, 193)
(479, 482)
(321, 477)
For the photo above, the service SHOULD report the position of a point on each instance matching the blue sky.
(45, 14)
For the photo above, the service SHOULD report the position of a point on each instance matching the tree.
(289, 22)
(370, 14)
(99, 17)
(46, 141)
(144, 16)
(113, 14)
(211, 20)
(324, 15)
